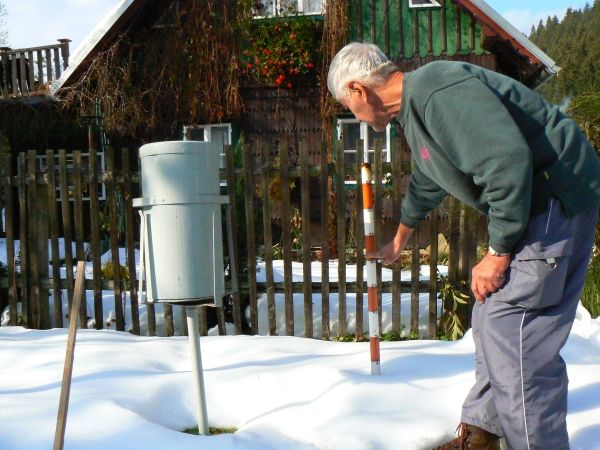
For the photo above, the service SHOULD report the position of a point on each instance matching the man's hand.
(488, 275)
(392, 251)
(389, 253)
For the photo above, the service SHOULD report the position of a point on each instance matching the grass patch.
(213, 430)
(390, 336)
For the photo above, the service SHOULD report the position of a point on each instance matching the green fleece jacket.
(495, 145)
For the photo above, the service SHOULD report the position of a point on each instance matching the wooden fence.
(59, 200)
(29, 71)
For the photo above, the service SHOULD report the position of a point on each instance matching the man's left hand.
(488, 275)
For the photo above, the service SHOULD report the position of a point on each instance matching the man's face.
(366, 106)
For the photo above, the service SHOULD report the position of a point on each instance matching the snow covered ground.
(132, 392)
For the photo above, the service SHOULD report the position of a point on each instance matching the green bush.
(455, 300)
(590, 298)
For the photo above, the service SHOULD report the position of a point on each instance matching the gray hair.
(362, 62)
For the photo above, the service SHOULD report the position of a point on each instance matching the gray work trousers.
(520, 391)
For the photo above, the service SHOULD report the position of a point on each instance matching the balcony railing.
(29, 72)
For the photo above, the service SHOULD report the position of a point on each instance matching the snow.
(298, 299)
(135, 392)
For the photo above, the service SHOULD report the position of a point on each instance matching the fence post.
(43, 261)
(129, 241)
(24, 256)
(10, 237)
(78, 223)
(306, 241)
(397, 175)
(341, 235)
(415, 281)
(5, 63)
(453, 242)
(235, 265)
(54, 221)
(64, 50)
(325, 330)
(65, 204)
(268, 239)
(284, 164)
(249, 189)
(433, 262)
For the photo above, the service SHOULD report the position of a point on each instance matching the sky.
(34, 23)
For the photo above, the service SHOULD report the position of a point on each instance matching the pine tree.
(574, 43)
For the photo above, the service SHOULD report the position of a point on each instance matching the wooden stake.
(65, 390)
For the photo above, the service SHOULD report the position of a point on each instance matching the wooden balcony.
(26, 73)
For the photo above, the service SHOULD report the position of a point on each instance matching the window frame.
(277, 6)
(364, 130)
(208, 136)
(433, 4)
(85, 161)
(363, 134)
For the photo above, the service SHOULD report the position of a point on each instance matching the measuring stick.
(367, 190)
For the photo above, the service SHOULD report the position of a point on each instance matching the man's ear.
(358, 88)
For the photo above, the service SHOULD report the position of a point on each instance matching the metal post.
(142, 298)
(194, 336)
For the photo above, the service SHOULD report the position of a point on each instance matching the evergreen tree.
(574, 43)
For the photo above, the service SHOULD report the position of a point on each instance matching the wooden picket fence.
(72, 197)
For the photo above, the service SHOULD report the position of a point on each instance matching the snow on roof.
(92, 41)
(491, 18)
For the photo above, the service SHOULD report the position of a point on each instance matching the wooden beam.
(65, 390)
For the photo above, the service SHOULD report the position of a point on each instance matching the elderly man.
(498, 146)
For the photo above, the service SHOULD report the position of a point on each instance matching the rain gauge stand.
(181, 242)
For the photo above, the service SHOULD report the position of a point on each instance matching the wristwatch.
(493, 252)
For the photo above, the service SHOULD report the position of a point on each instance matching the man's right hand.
(391, 251)
(388, 254)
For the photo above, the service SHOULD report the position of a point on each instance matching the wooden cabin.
(162, 70)
(273, 104)
(411, 32)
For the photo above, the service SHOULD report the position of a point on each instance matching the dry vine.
(335, 34)
(175, 65)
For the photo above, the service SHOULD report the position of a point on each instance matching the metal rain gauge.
(181, 244)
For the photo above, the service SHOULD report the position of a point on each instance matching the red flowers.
(280, 79)
(282, 53)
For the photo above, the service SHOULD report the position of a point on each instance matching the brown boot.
(471, 437)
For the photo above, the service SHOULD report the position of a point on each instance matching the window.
(85, 164)
(220, 133)
(350, 130)
(423, 4)
(269, 8)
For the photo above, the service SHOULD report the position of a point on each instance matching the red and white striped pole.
(367, 191)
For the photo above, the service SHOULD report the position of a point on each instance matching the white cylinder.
(182, 210)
